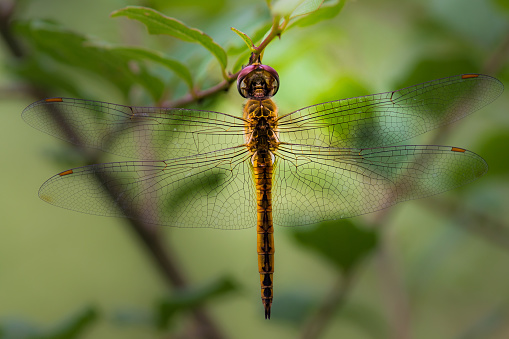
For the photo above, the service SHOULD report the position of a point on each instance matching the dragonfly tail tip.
(267, 311)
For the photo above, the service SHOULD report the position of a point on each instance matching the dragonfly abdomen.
(262, 163)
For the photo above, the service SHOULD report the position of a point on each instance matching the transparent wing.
(313, 184)
(207, 190)
(135, 132)
(388, 118)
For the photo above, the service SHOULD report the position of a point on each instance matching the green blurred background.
(441, 265)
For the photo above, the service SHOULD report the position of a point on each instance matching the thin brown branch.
(159, 253)
(7, 9)
(200, 95)
(395, 296)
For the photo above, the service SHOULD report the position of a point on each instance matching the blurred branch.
(394, 293)
(147, 234)
(317, 323)
(498, 58)
(7, 9)
(486, 225)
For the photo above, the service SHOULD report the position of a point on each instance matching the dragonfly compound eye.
(258, 81)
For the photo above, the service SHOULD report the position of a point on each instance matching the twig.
(396, 299)
(7, 9)
(200, 95)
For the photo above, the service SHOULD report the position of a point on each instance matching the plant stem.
(200, 95)
(275, 31)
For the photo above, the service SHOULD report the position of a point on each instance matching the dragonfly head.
(258, 81)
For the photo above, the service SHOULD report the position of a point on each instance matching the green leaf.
(190, 298)
(328, 10)
(71, 328)
(341, 242)
(158, 23)
(306, 7)
(142, 54)
(76, 50)
(284, 8)
(244, 37)
(241, 60)
(259, 33)
(39, 74)
(502, 5)
(490, 151)
(75, 325)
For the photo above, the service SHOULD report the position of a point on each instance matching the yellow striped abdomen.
(265, 230)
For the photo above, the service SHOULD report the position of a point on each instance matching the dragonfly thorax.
(261, 126)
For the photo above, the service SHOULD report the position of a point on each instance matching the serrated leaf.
(142, 54)
(341, 242)
(244, 37)
(157, 23)
(190, 298)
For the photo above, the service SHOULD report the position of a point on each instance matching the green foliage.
(244, 37)
(343, 243)
(112, 63)
(184, 300)
(143, 54)
(72, 327)
(328, 10)
(76, 50)
(158, 23)
(502, 4)
(294, 8)
(490, 150)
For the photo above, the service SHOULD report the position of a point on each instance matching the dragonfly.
(199, 168)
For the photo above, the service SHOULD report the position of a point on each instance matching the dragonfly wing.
(206, 190)
(313, 184)
(388, 118)
(135, 132)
